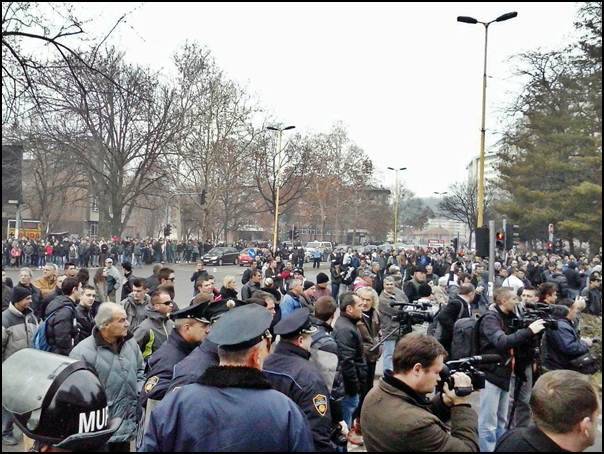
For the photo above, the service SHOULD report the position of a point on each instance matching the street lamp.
(395, 233)
(277, 183)
(440, 193)
(471, 20)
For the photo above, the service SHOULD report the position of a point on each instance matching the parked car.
(324, 246)
(221, 256)
(248, 255)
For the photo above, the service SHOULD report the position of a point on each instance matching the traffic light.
(454, 244)
(512, 236)
(500, 240)
(550, 247)
(296, 233)
(167, 230)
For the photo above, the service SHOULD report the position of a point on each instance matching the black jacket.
(527, 439)
(447, 317)
(62, 328)
(197, 275)
(496, 337)
(248, 289)
(85, 321)
(289, 370)
(229, 294)
(350, 355)
(161, 366)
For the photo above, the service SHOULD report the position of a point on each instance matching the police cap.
(197, 312)
(241, 328)
(296, 323)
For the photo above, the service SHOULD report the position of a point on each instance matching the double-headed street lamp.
(395, 233)
(278, 182)
(471, 20)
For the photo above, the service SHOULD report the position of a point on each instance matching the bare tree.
(54, 26)
(461, 204)
(117, 132)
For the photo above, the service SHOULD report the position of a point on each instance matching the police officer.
(233, 406)
(289, 370)
(57, 401)
(191, 327)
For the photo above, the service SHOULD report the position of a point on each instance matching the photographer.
(397, 415)
(565, 409)
(496, 336)
(564, 344)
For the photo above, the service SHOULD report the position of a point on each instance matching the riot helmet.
(56, 400)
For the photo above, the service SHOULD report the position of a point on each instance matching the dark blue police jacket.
(289, 371)
(231, 409)
(191, 368)
(161, 366)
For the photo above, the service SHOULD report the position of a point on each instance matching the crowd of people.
(167, 361)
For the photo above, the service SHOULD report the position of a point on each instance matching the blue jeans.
(349, 405)
(388, 353)
(7, 423)
(492, 418)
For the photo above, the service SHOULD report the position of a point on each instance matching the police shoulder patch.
(151, 383)
(320, 402)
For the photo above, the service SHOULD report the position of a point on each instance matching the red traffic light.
(499, 236)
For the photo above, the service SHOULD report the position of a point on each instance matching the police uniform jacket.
(161, 366)
(230, 409)
(192, 367)
(289, 370)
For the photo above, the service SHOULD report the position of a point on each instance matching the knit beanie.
(20, 293)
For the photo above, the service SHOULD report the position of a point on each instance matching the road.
(184, 291)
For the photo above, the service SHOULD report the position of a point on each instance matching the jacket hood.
(146, 300)
(58, 302)
(151, 313)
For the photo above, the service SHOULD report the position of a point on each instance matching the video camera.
(413, 313)
(534, 312)
(465, 365)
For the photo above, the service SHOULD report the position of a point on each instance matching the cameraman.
(565, 409)
(397, 415)
(495, 336)
(562, 345)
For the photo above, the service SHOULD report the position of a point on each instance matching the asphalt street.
(184, 291)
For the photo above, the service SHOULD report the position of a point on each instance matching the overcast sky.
(404, 79)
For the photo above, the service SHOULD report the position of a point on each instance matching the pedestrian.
(18, 328)
(115, 356)
(156, 328)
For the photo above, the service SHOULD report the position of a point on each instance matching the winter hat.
(20, 293)
(322, 278)
(308, 284)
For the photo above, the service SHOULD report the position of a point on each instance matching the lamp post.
(396, 194)
(277, 183)
(471, 20)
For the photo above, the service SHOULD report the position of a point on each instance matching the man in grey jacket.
(116, 358)
(18, 328)
(135, 304)
(156, 328)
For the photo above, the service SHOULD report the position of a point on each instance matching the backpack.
(40, 340)
(465, 337)
(435, 328)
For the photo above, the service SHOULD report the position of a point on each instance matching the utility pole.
(491, 260)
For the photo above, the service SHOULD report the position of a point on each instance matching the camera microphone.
(478, 359)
